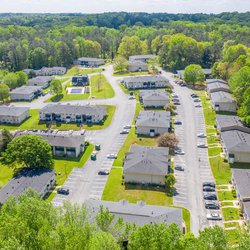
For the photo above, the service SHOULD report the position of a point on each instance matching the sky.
(99, 6)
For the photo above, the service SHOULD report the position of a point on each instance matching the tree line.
(28, 222)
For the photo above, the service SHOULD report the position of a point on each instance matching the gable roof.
(40, 79)
(139, 213)
(58, 138)
(230, 122)
(217, 86)
(223, 97)
(26, 90)
(154, 95)
(237, 141)
(73, 109)
(241, 178)
(36, 179)
(12, 111)
(160, 119)
(215, 81)
(146, 160)
(90, 59)
(146, 78)
(141, 57)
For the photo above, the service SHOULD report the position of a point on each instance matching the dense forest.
(32, 223)
(213, 41)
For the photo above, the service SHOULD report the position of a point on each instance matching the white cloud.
(97, 6)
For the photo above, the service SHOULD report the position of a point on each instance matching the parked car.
(179, 151)
(196, 100)
(212, 205)
(214, 216)
(112, 156)
(201, 145)
(179, 167)
(176, 100)
(178, 122)
(63, 190)
(210, 197)
(175, 95)
(103, 172)
(131, 98)
(93, 157)
(201, 135)
(183, 84)
(208, 184)
(176, 103)
(124, 131)
(194, 95)
(198, 105)
(127, 127)
(208, 189)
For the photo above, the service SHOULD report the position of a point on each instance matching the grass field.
(230, 213)
(34, 123)
(6, 174)
(76, 71)
(105, 91)
(226, 195)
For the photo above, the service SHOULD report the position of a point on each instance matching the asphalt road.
(188, 186)
(85, 183)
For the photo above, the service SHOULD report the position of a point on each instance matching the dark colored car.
(210, 197)
(194, 95)
(103, 172)
(183, 84)
(178, 123)
(208, 184)
(63, 190)
(212, 205)
(176, 103)
(208, 189)
(179, 167)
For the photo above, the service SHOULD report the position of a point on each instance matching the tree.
(22, 78)
(38, 58)
(193, 74)
(6, 139)
(4, 92)
(120, 64)
(56, 87)
(152, 66)
(10, 80)
(30, 150)
(167, 140)
(170, 180)
(170, 107)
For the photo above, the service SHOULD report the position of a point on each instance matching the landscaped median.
(33, 122)
(82, 71)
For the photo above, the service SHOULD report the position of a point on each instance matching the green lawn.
(34, 123)
(231, 213)
(75, 71)
(231, 224)
(126, 73)
(6, 173)
(115, 191)
(225, 195)
(105, 90)
(226, 203)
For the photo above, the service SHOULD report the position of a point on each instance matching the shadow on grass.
(57, 98)
(131, 186)
(240, 165)
(225, 113)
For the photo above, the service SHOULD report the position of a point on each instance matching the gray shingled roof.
(215, 80)
(26, 178)
(146, 160)
(230, 122)
(242, 179)
(12, 111)
(146, 78)
(160, 119)
(247, 208)
(154, 95)
(218, 85)
(25, 90)
(73, 109)
(137, 63)
(222, 96)
(57, 138)
(40, 79)
(139, 213)
(90, 59)
(237, 141)
(138, 57)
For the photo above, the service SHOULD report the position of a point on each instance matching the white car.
(214, 216)
(201, 135)
(127, 127)
(201, 145)
(124, 131)
(198, 106)
(175, 96)
(179, 151)
(112, 156)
